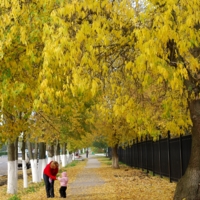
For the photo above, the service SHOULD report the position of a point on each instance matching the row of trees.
(116, 69)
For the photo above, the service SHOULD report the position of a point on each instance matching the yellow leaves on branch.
(76, 47)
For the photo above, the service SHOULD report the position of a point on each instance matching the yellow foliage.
(107, 64)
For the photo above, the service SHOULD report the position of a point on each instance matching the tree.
(99, 143)
(20, 61)
(168, 40)
(108, 64)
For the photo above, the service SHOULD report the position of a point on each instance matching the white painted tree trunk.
(73, 157)
(41, 165)
(25, 177)
(50, 159)
(34, 171)
(64, 160)
(57, 158)
(70, 157)
(12, 177)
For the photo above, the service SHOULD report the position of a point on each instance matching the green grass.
(14, 197)
(105, 160)
(33, 187)
(108, 161)
(73, 163)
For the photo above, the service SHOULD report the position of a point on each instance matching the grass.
(73, 163)
(37, 190)
(14, 197)
(33, 188)
(125, 183)
(108, 161)
(105, 160)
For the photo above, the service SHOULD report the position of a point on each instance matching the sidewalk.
(87, 178)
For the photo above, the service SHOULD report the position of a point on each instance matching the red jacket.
(50, 172)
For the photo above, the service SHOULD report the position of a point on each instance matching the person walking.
(49, 176)
(63, 184)
(87, 154)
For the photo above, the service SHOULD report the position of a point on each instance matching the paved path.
(87, 178)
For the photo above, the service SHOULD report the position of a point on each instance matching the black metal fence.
(166, 157)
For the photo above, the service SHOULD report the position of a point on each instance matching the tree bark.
(188, 186)
(29, 150)
(34, 171)
(24, 167)
(63, 155)
(50, 149)
(64, 146)
(35, 155)
(42, 151)
(12, 168)
(115, 157)
(57, 151)
(42, 160)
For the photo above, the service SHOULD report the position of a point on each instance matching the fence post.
(160, 157)
(152, 148)
(137, 154)
(132, 154)
(181, 155)
(146, 156)
(141, 147)
(169, 155)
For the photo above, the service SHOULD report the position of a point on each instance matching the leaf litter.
(125, 183)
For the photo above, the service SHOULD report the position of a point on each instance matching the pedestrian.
(49, 175)
(87, 154)
(63, 184)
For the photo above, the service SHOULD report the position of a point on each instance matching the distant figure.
(87, 154)
(63, 184)
(49, 175)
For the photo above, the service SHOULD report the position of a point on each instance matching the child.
(63, 184)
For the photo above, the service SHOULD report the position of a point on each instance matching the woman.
(49, 176)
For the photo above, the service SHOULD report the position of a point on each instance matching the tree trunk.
(57, 151)
(115, 158)
(34, 171)
(35, 155)
(42, 151)
(29, 150)
(63, 155)
(188, 186)
(42, 160)
(64, 146)
(24, 167)
(50, 150)
(12, 169)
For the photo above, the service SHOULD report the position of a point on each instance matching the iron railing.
(167, 157)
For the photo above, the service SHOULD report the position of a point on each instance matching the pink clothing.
(64, 179)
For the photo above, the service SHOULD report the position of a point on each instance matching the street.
(3, 165)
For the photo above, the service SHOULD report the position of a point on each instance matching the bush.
(3, 153)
